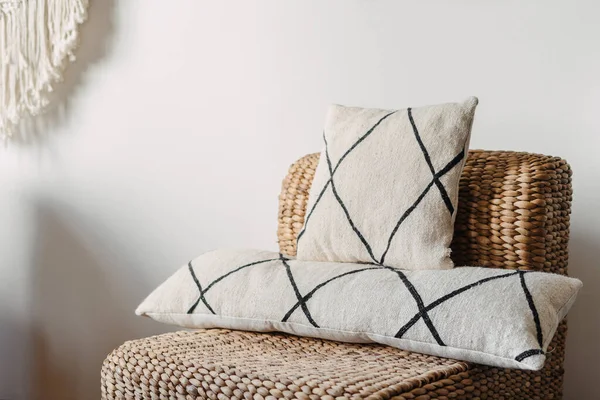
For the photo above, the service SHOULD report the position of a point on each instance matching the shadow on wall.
(13, 339)
(83, 296)
(96, 35)
(584, 324)
(75, 312)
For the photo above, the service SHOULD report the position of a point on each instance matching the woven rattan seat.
(513, 213)
(228, 364)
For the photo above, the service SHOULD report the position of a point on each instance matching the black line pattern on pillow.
(310, 294)
(435, 180)
(302, 300)
(203, 291)
(532, 307)
(422, 311)
(303, 305)
(445, 298)
(341, 203)
(342, 158)
(529, 353)
(197, 282)
(457, 159)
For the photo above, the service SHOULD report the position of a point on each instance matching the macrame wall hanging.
(37, 40)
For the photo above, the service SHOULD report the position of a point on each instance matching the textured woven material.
(387, 188)
(242, 365)
(428, 311)
(513, 210)
(513, 213)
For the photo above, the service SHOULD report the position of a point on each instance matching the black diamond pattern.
(203, 291)
(423, 309)
(342, 158)
(436, 179)
(303, 305)
(378, 264)
(436, 175)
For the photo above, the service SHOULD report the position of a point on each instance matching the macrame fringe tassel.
(37, 39)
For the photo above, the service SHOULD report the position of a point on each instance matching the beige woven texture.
(513, 213)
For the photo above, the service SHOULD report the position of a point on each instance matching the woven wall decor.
(37, 40)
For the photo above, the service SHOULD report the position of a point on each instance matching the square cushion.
(386, 189)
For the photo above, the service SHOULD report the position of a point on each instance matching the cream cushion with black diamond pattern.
(430, 312)
(386, 188)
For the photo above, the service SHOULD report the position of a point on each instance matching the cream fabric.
(386, 188)
(497, 317)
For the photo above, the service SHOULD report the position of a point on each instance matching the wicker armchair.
(513, 213)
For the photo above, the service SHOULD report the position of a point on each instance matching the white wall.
(183, 116)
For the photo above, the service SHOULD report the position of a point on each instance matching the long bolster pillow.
(489, 316)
